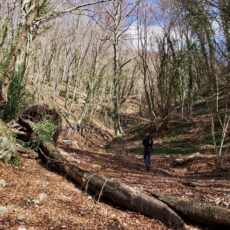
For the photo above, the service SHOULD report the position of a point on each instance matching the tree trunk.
(199, 212)
(116, 96)
(163, 208)
(27, 22)
(111, 190)
(116, 70)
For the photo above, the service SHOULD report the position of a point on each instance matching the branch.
(54, 14)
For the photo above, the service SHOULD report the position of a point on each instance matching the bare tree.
(32, 15)
(116, 14)
(29, 12)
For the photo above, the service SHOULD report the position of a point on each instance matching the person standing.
(78, 127)
(148, 148)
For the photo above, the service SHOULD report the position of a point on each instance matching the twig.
(102, 189)
(87, 181)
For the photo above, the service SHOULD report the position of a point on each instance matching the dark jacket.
(147, 142)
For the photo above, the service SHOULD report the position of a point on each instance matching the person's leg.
(146, 158)
(149, 160)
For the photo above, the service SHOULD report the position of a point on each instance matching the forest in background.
(100, 56)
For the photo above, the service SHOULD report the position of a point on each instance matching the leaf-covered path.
(64, 206)
(197, 180)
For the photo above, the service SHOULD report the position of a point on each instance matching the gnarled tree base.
(22, 126)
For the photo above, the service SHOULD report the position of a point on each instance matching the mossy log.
(26, 152)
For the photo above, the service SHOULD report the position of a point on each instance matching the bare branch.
(56, 14)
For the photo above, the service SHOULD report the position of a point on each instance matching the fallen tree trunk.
(108, 189)
(199, 212)
(26, 152)
(111, 190)
(184, 161)
(161, 208)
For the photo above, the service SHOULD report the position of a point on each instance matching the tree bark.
(111, 190)
(27, 22)
(26, 152)
(199, 212)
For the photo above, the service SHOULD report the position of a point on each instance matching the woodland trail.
(66, 207)
(210, 187)
(196, 180)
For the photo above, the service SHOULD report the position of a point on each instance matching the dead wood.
(26, 152)
(199, 212)
(200, 186)
(38, 113)
(111, 190)
(184, 161)
(23, 125)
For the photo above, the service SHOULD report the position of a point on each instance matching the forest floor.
(36, 198)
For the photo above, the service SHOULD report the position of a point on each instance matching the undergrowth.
(44, 130)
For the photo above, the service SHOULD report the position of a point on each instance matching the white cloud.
(154, 32)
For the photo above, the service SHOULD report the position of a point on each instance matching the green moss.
(23, 143)
(15, 159)
(44, 131)
(5, 132)
(14, 93)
